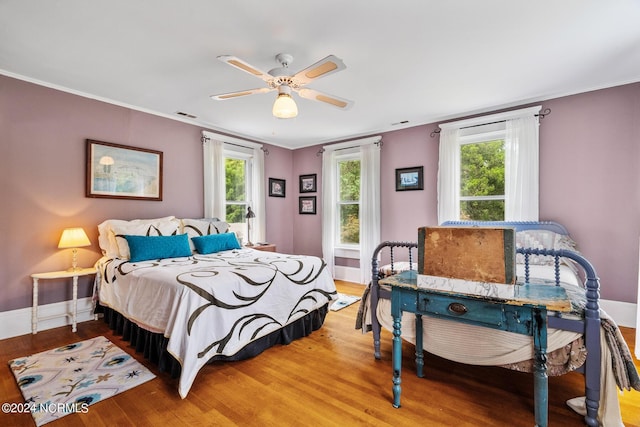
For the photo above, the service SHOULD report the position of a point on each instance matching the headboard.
(518, 225)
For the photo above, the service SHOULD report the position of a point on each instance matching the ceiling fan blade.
(324, 67)
(244, 66)
(343, 104)
(232, 95)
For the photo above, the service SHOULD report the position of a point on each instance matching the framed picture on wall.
(121, 172)
(307, 205)
(277, 187)
(308, 183)
(410, 178)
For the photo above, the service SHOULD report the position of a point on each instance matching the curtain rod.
(322, 150)
(542, 115)
(204, 139)
(377, 140)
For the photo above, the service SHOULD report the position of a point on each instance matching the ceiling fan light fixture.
(285, 107)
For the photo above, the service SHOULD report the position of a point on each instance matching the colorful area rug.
(68, 379)
(343, 301)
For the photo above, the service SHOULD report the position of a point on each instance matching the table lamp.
(74, 238)
(249, 215)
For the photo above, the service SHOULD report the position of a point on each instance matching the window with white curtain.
(233, 181)
(488, 167)
(351, 202)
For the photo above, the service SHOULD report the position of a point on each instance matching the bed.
(185, 293)
(586, 340)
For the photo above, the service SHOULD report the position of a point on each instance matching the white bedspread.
(214, 304)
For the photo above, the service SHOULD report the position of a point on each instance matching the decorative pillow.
(544, 239)
(213, 243)
(144, 248)
(107, 239)
(203, 227)
(140, 228)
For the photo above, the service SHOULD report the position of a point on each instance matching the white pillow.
(543, 239)
(107, 237)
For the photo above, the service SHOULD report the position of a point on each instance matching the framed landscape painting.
(123, 172)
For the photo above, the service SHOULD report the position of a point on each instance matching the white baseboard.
(18, 322)
(623, 313)
(348, 274)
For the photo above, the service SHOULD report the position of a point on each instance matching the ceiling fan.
(281, 79)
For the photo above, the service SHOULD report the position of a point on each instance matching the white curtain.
(369, 207)
(329, 176)
(214, 181)
(521, 169)
(257, 200)
(214, 187)
(449, 175)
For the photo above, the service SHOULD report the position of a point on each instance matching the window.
(482, 175)
(234, 180)
(488, 167)
(348, 230)
(351, 204)
(237, 167)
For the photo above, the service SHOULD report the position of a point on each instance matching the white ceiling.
(420, 61)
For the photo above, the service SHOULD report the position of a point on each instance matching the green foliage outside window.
(236, 189)
(482, 174)
(349, 191)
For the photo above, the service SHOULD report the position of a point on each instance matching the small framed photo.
(277, 187)
(307, 205)
(308, 183)
(410, 179)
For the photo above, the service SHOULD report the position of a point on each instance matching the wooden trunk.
(482, 254)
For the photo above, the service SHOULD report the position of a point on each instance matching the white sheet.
(214, 304)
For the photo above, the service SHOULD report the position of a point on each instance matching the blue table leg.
(396, 313)
(540, 379)
(419, 347)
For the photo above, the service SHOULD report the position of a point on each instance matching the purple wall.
(42, 171)
(280, 210)
(589, 181)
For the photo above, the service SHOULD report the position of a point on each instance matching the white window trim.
(348, 250)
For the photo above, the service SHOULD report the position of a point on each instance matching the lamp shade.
(250, 213)
(73, 238)
(285, 107)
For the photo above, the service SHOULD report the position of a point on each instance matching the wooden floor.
(327, 379)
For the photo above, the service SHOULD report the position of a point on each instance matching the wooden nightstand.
(58, 275)
(270, 247)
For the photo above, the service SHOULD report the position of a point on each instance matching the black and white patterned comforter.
(214, 304)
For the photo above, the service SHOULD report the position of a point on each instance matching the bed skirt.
(154, 345)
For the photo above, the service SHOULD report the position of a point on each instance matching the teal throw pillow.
(143, 248)
(213, 243)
